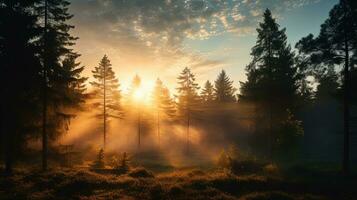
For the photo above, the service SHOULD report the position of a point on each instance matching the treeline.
(43, 86)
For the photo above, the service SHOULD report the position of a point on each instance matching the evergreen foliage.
(336, 45)
(272, 79)
(20, 77)
(163, 104)
(188, 99)
(207, 93)
(106, 94)
(224, 90)
(99, 162)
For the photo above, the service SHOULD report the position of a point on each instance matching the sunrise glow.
(178, 99)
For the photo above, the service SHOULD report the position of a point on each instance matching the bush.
(223, 160)
(176, 190)
(141, 173)
(271, 169)
(121, 165)
(238, 161)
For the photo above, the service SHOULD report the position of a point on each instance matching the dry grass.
(143, 184)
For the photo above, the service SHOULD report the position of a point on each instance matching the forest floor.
(183, 184)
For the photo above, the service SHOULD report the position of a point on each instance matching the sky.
(159, 38)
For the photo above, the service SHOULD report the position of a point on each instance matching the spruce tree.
(207, 93)
(19, 76)
(55, 43)
(106, 94)
(73, 82)
(272, 84)
(187, 99)
(224, 90)
(336, 45)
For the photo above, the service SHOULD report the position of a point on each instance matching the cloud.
(154, 30)
(199, 62)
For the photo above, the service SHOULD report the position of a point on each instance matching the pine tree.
(69, 94)
(99, 162)
(107, 94)
(224, 90)
(336, 44)
(55, 41)
(207, 93)
(163, 104)
(272, 83)
(187, 99)
(73, 82)
(19, 76)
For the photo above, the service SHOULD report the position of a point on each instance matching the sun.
(139, 94)
(142, 94)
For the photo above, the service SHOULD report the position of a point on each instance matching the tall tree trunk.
(9, 154)
(188, 132)
(270, 102)
(104, 109)
(139, 128)
(44, 111)
(7, 143)
(346, 96)
(346, 118)
(158, 126)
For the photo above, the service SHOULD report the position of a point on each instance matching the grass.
(140, 183)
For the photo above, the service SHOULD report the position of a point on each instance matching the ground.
(141, 183)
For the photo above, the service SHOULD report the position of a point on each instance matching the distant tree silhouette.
(106, 93)
(163, 104)
(224, 90)
(207, 93)
(135, 84)
(187, 98)
(134, 95)
(336, 44)
(273, 79)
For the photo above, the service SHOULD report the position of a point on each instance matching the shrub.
(271, 169)
(121, 165)
(223, 160)
(141, 173)
(176, 190)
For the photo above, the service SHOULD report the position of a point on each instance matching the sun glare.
(139, 95)
(143, 93)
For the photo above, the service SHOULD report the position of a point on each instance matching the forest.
(289, 131)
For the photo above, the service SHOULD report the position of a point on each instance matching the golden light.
(139, 95)
(143, 93)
